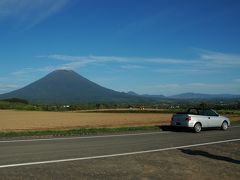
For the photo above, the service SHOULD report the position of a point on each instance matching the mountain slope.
(64, 86)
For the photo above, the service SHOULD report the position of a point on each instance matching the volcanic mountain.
(66, 86)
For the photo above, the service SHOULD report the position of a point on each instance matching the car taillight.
(188, 118)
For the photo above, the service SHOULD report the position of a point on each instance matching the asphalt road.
(15, 154)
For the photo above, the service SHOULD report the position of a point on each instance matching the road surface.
(20, 158)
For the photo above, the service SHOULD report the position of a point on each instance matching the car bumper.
(182, 124)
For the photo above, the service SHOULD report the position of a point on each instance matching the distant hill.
(147, 95)
(65, 86)
(154, 96)
(68, 87)
(204, 96)
(132, 93)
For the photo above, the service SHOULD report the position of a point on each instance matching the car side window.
(209, 112)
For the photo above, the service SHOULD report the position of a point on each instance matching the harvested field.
(11, 120)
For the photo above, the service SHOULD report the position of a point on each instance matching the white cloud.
(170, 61)
(198, 87)
(130, 66)
(127, 63)
(25, 72)
(86, 59)
(7, 87)
(202, 65)
(184, 70)
(206, 59)
(97, 59)
(28, 13)
(236, 80)
(219, 58)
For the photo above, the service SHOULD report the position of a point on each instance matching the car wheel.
(197, 127)
(224, 126)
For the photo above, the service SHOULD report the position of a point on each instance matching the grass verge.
(71, 132)
(234, 123)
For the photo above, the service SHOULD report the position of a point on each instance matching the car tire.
(197, 128)
(224, 125)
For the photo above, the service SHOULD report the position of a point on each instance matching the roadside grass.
(229, 112)
(81, 131)
(235, 122)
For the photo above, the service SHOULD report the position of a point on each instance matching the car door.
(203, 118)
(213, 118)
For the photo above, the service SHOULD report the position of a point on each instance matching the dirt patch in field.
(34, 120)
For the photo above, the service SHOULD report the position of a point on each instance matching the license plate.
(178, 120)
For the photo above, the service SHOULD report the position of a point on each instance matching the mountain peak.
(66, 86)
(63, 71)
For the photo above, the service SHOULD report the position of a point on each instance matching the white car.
(197, 118)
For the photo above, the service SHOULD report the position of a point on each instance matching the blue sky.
(147, 46)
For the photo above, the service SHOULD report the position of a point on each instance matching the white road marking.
(115, 155)
(84, 137)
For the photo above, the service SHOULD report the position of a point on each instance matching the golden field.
(11, 120)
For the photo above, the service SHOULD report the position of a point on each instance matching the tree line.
(21, 104)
